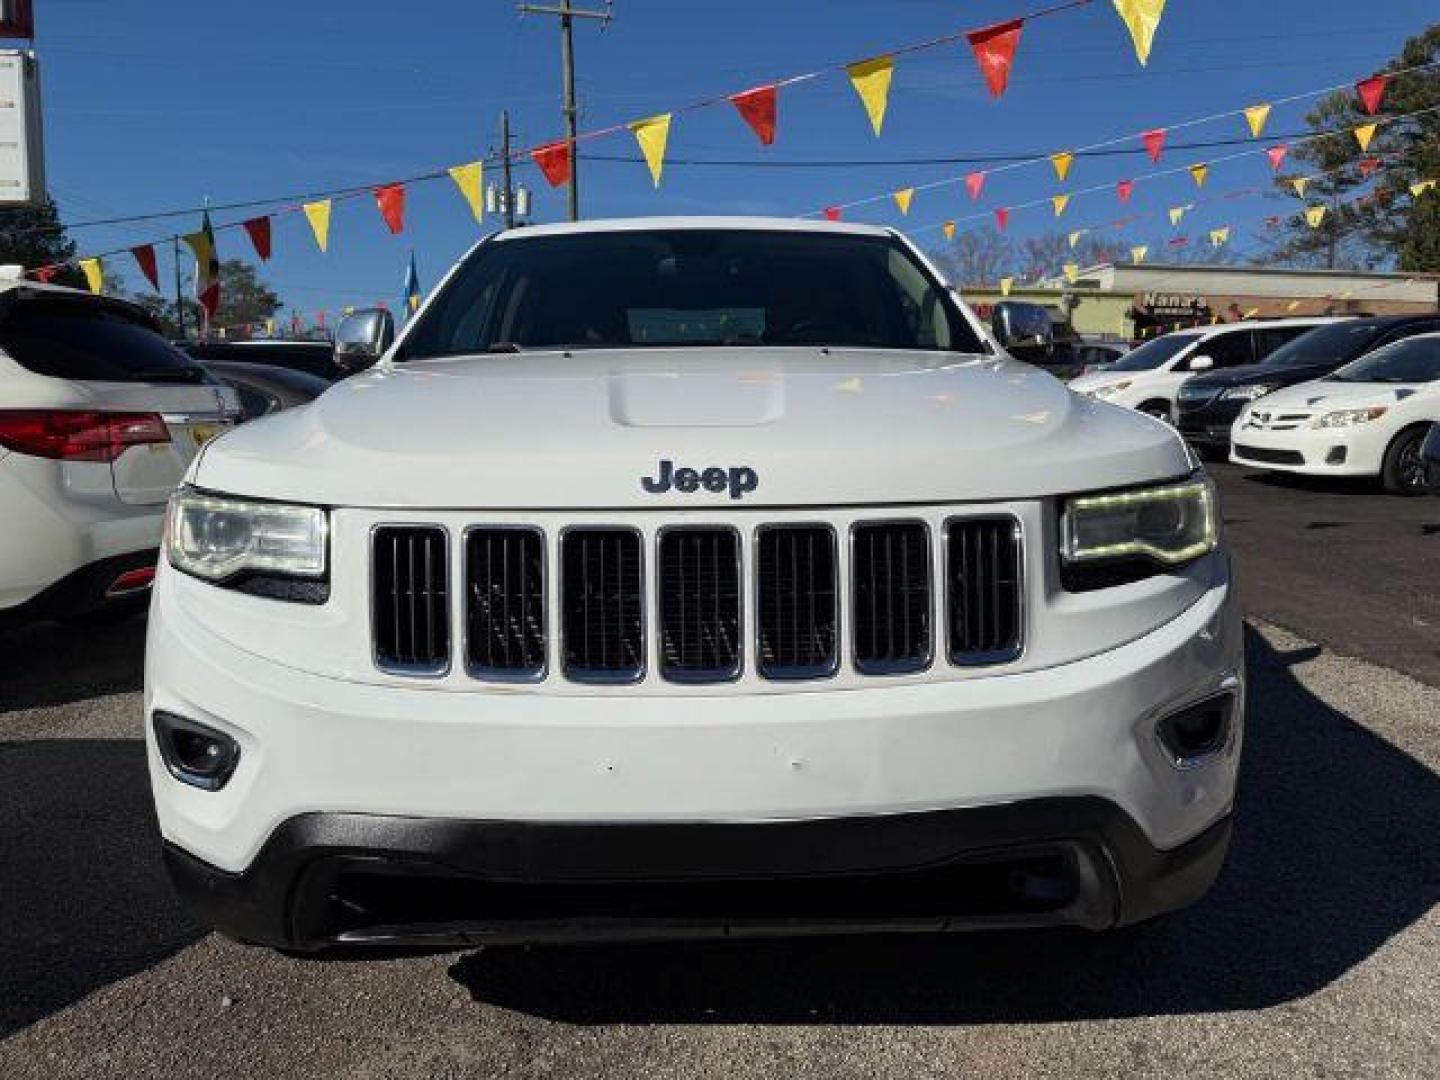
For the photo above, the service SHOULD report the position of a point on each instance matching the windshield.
(693, 287)
(67, 337)
(1153, 354)
(1414, 360)
(1327, 346)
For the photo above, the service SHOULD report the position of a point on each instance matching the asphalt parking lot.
(1318, 954)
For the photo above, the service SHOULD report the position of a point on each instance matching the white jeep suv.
(692, 576)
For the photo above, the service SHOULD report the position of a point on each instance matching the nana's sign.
(1158, 303)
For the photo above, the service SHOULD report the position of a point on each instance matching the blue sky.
(158, 106)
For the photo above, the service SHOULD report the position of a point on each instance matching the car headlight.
(1113, 388)
(1351, 417)
(219, 538)
(1158, 527)
(1247, 393)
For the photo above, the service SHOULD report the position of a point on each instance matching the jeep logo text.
(738, 481)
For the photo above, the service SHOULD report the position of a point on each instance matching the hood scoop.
(668, 399)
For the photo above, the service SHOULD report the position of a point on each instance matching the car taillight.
(78, 434)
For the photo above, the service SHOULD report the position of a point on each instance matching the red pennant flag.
(758, 108)
(832, 213)
(1276, 154)
(259, 230)
(994, 48)
(974, 183)
(1371, 91)
(554, 162)
(320, 319)
(1124, 189)
(1002, 218)
(45, 273)
(1154, 143)
(145, 258)
(1273, 221)
(391, 201)
(1180, 241)
(1368, 165)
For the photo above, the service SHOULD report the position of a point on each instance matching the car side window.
(1271, 338)
(1400, 333)
(1226, 350)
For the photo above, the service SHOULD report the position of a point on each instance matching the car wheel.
(1160, 410)
(1404, 470)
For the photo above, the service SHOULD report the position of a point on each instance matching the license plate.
(203, 433)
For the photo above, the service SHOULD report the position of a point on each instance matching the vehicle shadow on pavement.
(55, 664)
(1334, 853)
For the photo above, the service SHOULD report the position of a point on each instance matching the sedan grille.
(411, 599)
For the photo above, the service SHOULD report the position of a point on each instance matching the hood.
(737, 427)
(1085, 383)
(1249, 374)
(1324, 394)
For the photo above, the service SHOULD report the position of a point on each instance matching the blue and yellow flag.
(411, 286)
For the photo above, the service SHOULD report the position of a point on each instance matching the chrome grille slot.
(410, 605)
(699, 604)
(796, 608)
(505, 603)
(983, 590)
(890, 583)
(603, 607)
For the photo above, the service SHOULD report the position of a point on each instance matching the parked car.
(312, 357)
(684, 576)
(1367, 419)
(99, 418)
(1430, 452)
(263, 389)
(1149, 378)
(1068, 359)
(1208, 404)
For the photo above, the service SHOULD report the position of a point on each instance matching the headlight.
(1113, 388)
(216, 537)
(1350, 417)
(1247, 393)
(1171, 524)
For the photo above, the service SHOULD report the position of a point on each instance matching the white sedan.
(1367, 419)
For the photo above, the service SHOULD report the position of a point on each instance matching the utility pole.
(179, 299)
(505, 159)
(567, 15)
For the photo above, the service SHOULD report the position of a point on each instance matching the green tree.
(32, 236)
(245, 300)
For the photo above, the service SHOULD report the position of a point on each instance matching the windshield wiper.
(504, 347)
(194, 374)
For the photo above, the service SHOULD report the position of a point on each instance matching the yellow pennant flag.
(470, 180)
(1257, 116)
(1075, 236)
(1300, 183)
(1062, 162)
(1137, 254)
(1292, 305)
(1072, 271)
(1416, 190)
(318, 214)
(949, 228)
(652, 134)
(1198, 173)
(1176, 213)
(1006, 284)
(1142, 19)
(1314, 216)
(94, 271)
(1059, 202)
(871, 79)
(903, 198)
(269, 327)
(1219, 236)
(1364, 133)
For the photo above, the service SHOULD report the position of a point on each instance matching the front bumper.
(1356, 451)
(1209, 426)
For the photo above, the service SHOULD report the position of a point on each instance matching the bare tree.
(977, 257)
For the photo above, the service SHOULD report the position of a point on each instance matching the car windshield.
(1153, 354)
(68, 337)
(1327, 345)
(690, 288)
(1414, 360)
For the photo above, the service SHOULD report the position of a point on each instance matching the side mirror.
(1023, 328)
(1201, 363)
(361, 338)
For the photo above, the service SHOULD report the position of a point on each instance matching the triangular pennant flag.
(1367, 165)
(949, 229)
(554, 161)
(1002, 218)
(1137, 254)
(94, 271)
(1314, 216)
(1372, 91)
(1062, 162)
(1364, 134)
(1176, 213)
(1124, 189)
(1198, 173)
(258, 230)
(1276, 154)
(1142, 19)
(1071, 271)
(1219, 236)
(470, 179)
(1179, 242)
(1418, 189)
(1273, 221)
(1154, 141)
(45, 273)
(1300, 183)
(758, 108)
(145, 259)
(318, 214)
(994, 48)
(871, 79)
(1256, 116)
(1074, 237)
(975, 183)
(269, 327)
(653, 134)
(832, 213)
(903, 198)
(1006, 284)
(391, 200)
(1059, 202)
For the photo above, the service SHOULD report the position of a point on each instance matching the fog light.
(1193, 735)
(1337, 455)
(195, 754)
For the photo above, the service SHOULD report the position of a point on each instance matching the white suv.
(692, 576)
(99, 418)
(1149, 378)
